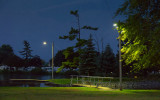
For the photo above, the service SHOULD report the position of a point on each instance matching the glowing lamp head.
(115, 25)
(44, 43)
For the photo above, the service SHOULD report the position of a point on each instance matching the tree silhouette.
(88, 59)
(26, 53)
(5, 52)
(75, 34)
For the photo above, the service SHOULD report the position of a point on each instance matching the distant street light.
(120, 60)
(45, 43)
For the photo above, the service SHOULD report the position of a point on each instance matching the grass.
(75, 93)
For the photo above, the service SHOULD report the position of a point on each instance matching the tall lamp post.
(45, 43)
(120, 59)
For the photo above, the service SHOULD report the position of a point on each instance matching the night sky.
(45, 20)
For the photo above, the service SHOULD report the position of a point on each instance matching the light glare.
(115, 25)
(44, 43)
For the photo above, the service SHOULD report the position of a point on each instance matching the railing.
(111, 83)
(90, 80)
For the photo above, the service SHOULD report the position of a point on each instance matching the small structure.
(90, 80)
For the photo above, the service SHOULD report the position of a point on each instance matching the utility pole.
(120, 59)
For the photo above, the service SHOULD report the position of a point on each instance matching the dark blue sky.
(45, 20)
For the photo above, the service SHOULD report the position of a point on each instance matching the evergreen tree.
(26, 53)
(75, 34)
(108, 61)
(88, 59)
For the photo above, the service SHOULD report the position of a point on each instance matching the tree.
(36, 61)
(71, 58)
(126, 68)
(7, 57)
(59, 58)
(141, 33)
(88, 59)
(13, 61)
(75, 34)
(26, 53)
(5, 52)
(108, 61)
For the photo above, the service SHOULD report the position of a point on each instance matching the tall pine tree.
(26, 53)
(75, 34)
(108, 63)
(88, 59)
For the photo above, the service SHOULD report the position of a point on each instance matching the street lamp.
(120, 60)
(45, 43)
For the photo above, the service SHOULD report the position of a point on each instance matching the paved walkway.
(94, 86)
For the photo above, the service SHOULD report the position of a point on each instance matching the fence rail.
(109, 82)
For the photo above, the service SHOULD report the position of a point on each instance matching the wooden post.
(90, 81)
(71, 80)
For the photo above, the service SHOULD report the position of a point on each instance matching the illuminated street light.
(115, 25)
(45, 43)
(120, 60)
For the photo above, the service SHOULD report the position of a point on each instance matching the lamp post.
(45, 43)
(120, 59)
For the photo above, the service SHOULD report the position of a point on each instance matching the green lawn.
(75, 93)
